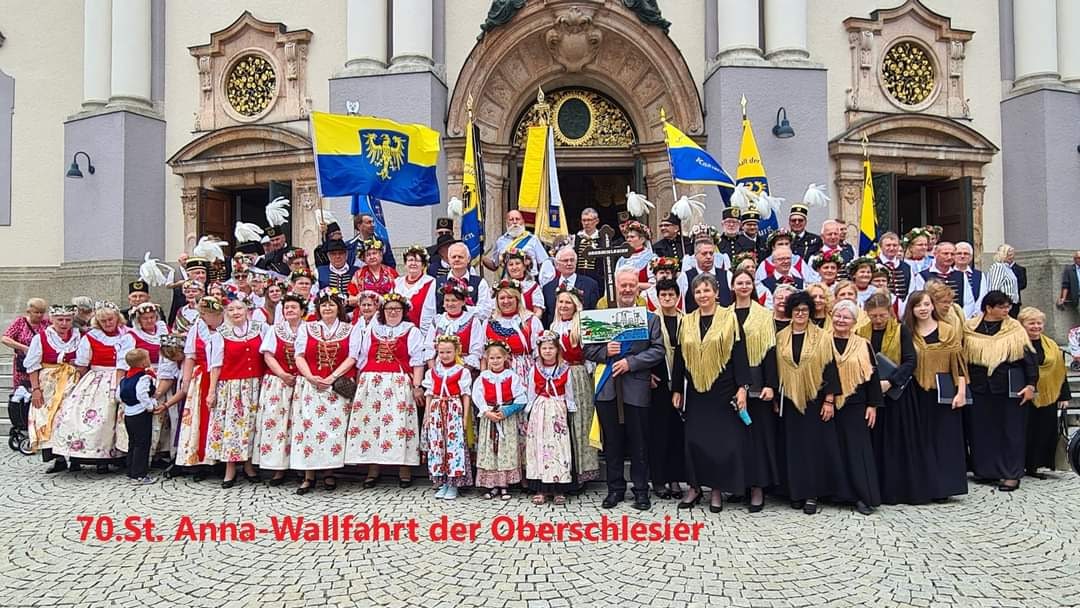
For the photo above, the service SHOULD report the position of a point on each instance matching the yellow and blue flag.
(690, 164)
(551, 220)
(364, 155)
(867, 215)
(473, 191)
(751, 171)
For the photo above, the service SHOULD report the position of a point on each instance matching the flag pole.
(674, 192)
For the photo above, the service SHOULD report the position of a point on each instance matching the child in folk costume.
(136, 394)
(419, 287)
(499, 395)
(447, 385)
(273, 428)
(49, 363)
(236, 370)
(457, 320)
(567, 324)
(548, 455)
(320, 410)
(384, 421)
(516, 263)
(194, 409)
(145, 332)
(85, 426)
(169, 373)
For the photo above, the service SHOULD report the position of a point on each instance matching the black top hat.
(671, 218)
(333, 227)
(730, 213)
(444, 223)
(445, 240)
(335, 245)
(250, 247)
(272, 231)
(138, 286)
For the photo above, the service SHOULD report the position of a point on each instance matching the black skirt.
(947, 452)
(857, 452)
(904, 450)
(667, 454)
(715, 440)
(762, 464)
(815, 468)
(1042, 437)
(998, 436)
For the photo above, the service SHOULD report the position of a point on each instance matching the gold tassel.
(944, 356)
(760, 333)
(706, 357)
(1008, 344)
(890, 341)
(854, 366)
(1051, 373)
(801, 382)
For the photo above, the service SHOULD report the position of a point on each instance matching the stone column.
(97, 33)
(1035, 43)
(1068, 41)
(737, 30)
(412, 41)
(785, 31)
(366, 42)
(131, 54)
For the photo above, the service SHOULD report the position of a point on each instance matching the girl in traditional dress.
(146, 333)
(324, 353)
(856, 409)
(498, 395)
(548, 455)
(822, 305)
(1052, 389)
(189, 312)
(567, 324)
(757, 333)
(516, 264)
(938, 350)
(49, 363)
(169, 374)
(419, 287)
(383, 425)
(447, 387)
(195, 410)
(662, 268)
(374, 275)
(809, 383)
(457, 320)
(638, 237)
(236, 371)
(711, 364)
(85, 426)
(273, 429)
(997, 347)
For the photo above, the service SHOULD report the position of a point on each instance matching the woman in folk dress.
(638, 237)
(419, 287)
(367, 308)
(373, 275)
(188, 314)
(195, 387)
(512, 323)
(273, 429)
(146, 333)
(236, 370)
(49, 363)
(516, 263)
(169, 373)
(446, 386)
(320, 415)
(85, 426)
(457, 320)
(548, 457)
(568, 325)
(383, 424)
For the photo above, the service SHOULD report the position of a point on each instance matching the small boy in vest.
(136, 392)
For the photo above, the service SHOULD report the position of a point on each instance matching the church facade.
(195, 114)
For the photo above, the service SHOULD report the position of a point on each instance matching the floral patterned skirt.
(383, 425)
(231, 434)
(547, 442)
(444, 443)
(193, 420)
(85, 426)
(586, 458)
(319, 421)
(41, 421)
(498, 452)
(272, 441)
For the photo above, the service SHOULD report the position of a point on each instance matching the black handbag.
(345, 386)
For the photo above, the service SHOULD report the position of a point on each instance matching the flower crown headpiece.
(515, 253)
(294, 254)
(373, 243)
(449, 339)
(548, 336)
(172, 341)
(211, 303)
(497, 344)
(913, 234)
(570, 289)
(141, 308)
(508, 284)
(331, 292)
(454, 288)
(195, 283)
(664, 263)
(417, 250)
(742, 257)
(62, 310)
(638, 227)
(776, 235)
(857, 263)
(393, 296)
(105, 305)
(881, 270)
(835, 256)
(302, 274)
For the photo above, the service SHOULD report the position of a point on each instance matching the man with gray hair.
(974, 285)
(584, 240)
(832, 239)
(566, 274)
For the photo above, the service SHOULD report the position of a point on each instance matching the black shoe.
(716, 508)
(228, 483)
(198, 476)
(305, 487)
(370, 483)
(1007, 488)
(863, 508)
(689, 504)
(59, 465)
(103, 469)
(641, 501)
(404, 483)
(329, 484)
(1035, 473)
(662, 493)
(276, 481)
(253, 478)
(810, 506)
(797, 504)
(752, 508)
(612, 499)
(74, 466)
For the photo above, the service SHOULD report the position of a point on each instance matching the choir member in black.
(1053, 388)
(809, 384)
(822, 305)
(758, 334)
(938, 350)
(856, 408)
(781, 318)
(901, 444)
(667, 466)
(711, 364)
(996, 346)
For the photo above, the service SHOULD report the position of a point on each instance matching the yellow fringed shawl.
(944, 356)
(853, 365)
(890, 341)
(955, 320)
(759, 331)
(669, 349)
(1008, 344)
(801, 382)
(1051, 373)
(707, 356)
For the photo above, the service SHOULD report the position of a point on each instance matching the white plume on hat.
(637, 204)
(277, 212)
(208, 249)
(455, 208)
(685, 207)
(767, 205)
(816, 196)
(247, 232)
(742, 197)
(150, 271)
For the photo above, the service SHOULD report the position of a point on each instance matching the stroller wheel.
(24, 447)
(14, 439)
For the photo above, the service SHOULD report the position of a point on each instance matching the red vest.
(465, 335)
(388, 355)
(416, 302)
(285, 354)
(528, 295)
(200, 353)
(338, 348)
(519, 341)
(574, 355)
(555, 388)
(153, 349)
(242, 359)
(49, 354)
(452, 384)
(101, 354)
(492, 397)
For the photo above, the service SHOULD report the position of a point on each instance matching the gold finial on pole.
(865, 142)
(541, 107)
(663, 114)
(742, 102)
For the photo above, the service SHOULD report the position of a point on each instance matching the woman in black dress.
(667, 462)
(856, 408)
(809, 384)
(997, 347)
(757, 333)
(711, 364)
(1053, 388)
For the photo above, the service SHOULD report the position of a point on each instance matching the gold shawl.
(1051, 373)
(759, 331)
(706, 357)
(854, 366)
(1008, 344)
(862, 321)
(955, 320)
(801, 382)
(890, 342)
(669, 349)
(944, 356)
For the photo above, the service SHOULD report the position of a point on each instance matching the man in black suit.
(1070, 283)
(672, 243)
(803, 242)
(705, 263)
(565, 272)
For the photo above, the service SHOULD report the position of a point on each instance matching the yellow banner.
(750, 164)
(533, 180)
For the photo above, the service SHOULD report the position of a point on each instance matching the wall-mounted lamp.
(74, 171)
(782, 129)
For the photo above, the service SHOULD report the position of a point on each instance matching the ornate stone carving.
(189, 197)
(573, 41)
(908, 73)
(206, 82)
(500, 13)
(581, 118)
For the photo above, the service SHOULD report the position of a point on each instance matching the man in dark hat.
(274, 258)
(750, 219)
(804, 243)
(195, 268)
(443, 225)
(624, 221)
(337, 272)
(138, 293)
(672, 243)
(732, 241)
(333, 233)
(438, 264)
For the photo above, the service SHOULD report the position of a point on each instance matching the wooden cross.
(605, 253)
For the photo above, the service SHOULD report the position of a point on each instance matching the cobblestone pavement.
(985, 549)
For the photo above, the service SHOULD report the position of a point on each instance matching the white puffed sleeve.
(428, 383)
(476, 344)
(168, 369)
(535, 329)
(485, 303)
(32, 361)
(359, 345)
(215, 351)
(537, 299)
(428, 311)
(429, 342)
(189, 341)
(466, 382)
(300, 344)
(125, 345)
(269, 343)
(417, 349)
(82, 353)
(478, 394)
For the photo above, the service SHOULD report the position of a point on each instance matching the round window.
(251, 85)
(907, 73)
